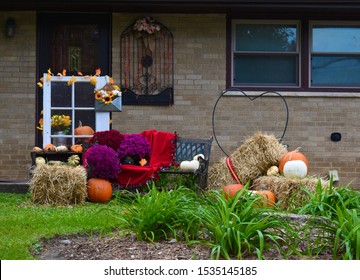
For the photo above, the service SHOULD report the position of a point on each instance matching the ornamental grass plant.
(160, 214)
(237, 228)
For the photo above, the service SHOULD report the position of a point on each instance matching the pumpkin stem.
(263, 187)
(80, 124)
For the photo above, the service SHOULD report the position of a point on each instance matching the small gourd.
(37, 150)
(61, 148)
(77, 148)
(50, 148)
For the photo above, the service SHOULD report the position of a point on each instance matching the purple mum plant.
(102, 162)
(134, 145)
(111, 138)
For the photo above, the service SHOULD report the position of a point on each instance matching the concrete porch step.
(17, 186)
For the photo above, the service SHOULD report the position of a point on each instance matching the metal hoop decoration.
(251, 98)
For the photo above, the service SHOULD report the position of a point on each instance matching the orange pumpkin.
(99, 190)
(83, 130)
(231, 190)
(268, 198)
(50, 147)
(77, 148)
(293, 155)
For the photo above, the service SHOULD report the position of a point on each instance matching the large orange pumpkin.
(83, 130)
(99, 190)
(268, 198)
(293, 155)
(231, 190)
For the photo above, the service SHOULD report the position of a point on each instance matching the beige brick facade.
(200, 73)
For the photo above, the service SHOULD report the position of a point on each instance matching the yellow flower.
(107, 100)
(116, 87)
(61, 122)
(111, 94)
(98, 96)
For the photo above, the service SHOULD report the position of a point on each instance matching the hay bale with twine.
(251, 160)
(288, 190)
(58, 185)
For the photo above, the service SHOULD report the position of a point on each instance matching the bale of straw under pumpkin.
(58, 185)
(251, 160)
(288, 190)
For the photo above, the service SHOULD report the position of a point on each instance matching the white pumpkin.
(189, 165)
(61, 148)
(295, 169)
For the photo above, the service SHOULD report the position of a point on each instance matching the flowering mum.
(111, 138)
(102, 162)
(134, 145)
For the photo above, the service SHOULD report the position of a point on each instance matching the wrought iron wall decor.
(147, 63)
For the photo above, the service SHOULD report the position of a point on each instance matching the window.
(75, 101)
(297, 54)
(335, 55)
(265, 53)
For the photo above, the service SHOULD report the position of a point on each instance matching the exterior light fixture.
(10, 27)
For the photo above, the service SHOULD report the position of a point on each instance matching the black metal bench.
(187, 149)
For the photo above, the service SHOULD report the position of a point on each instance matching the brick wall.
(200, 71)
(17, 95)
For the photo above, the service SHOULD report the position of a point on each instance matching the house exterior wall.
(200, 78)
(17, 95)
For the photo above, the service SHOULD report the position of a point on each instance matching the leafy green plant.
(324, 200)
(160, 214)
(238, 228)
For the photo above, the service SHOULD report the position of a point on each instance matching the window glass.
(265, 70)
(265, 54)
(335, 62)
(336, 39)
(265, 37)
(60, 94)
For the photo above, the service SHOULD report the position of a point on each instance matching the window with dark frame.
(268, 54)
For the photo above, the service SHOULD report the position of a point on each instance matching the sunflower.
(98, 95)
(107, 100)
(111, 94)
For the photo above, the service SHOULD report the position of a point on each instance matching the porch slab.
(17, 186)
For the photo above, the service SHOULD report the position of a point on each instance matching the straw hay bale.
(58, 185)
(288, 190)
(251, 160)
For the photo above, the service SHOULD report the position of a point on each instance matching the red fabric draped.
(162, 155)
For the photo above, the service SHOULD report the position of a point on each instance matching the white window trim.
(102, 119)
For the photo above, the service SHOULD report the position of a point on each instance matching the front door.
(78, 43)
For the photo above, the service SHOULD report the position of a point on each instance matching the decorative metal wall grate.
(147, 64)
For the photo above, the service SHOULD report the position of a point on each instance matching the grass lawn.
(23, 223)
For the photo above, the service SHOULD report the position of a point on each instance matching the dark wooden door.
(75, 42)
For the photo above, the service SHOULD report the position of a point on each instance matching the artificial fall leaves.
(92, 79)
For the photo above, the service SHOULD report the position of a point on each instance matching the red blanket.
(162, 155)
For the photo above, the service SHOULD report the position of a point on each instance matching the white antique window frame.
(102, 119)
